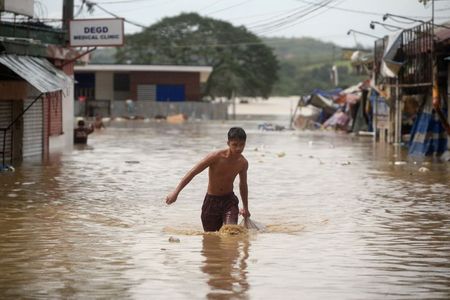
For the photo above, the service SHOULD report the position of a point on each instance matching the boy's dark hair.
(237, 133)
(81, 123)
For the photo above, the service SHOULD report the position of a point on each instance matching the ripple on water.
(341, 223)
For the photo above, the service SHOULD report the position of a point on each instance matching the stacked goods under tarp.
(339, 109)
(428, 136)
(307, 117)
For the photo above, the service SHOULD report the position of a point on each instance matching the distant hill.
(305, 64)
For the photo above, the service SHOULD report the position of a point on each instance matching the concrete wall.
(194, 110)
(104, 85)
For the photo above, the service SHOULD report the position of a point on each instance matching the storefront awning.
(38, 72)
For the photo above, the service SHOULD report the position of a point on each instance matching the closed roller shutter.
(146, 92)
(5, 120)
(33, 128)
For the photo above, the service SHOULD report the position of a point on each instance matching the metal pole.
(398, 115)
(233, 97)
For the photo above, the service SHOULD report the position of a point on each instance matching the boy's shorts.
(219, 210)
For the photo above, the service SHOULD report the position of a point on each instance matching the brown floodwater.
(342, 220)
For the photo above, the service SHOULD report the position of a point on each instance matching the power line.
(286, 19)
(211, 5)
(311, 10)
(124, 1)
(356, 11)
(229, 7)
(114, 15)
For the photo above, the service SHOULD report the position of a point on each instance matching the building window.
(84, 86)
(121, 82)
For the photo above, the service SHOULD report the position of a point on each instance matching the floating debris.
(424, 170)
(251, 225)
(7, 168)
(346, 163)
(281, 154)
(174, 239)
(400, 163)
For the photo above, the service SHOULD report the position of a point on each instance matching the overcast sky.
(327, 20)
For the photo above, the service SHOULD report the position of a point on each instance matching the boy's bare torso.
(223, 170)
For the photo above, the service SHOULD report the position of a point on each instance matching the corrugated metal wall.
(5, 120)
(146, 92)
(33, 129)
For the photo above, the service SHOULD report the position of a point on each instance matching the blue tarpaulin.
(328, 94)
(428, 136)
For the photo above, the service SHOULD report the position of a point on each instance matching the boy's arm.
(243, 188)
(198, 168)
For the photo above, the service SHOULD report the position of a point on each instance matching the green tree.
(242, 63)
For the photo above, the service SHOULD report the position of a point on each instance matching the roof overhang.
(38, 72)
(204, 71)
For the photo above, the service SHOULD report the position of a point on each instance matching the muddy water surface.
(342, 220)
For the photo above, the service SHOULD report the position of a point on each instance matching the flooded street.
(342, 220)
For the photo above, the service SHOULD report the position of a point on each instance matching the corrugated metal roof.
(38, 72)
(442, 32)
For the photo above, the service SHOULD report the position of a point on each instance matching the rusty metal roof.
(38, 72)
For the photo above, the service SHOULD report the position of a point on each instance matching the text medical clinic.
(96, 33)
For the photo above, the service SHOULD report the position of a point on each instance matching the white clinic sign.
(96, 32)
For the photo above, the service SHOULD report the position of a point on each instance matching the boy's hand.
(171, 198)
(245, 213)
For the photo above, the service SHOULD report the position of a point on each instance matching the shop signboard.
(96, 32)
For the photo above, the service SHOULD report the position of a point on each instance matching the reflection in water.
(225, 264)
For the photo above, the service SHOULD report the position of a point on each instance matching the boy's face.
(236, 146)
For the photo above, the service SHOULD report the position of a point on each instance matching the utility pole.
(67, 15)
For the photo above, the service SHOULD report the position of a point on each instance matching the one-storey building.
(108, 90)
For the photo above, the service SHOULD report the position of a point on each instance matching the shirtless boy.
(220, 205)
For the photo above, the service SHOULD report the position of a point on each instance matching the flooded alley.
(343, 220)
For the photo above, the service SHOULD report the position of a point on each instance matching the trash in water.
(400, 163)
(271, 127)
(7, 168)
(424, 170)
(132, 161)
(252, 225)
(281, 154)
(174, 240)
